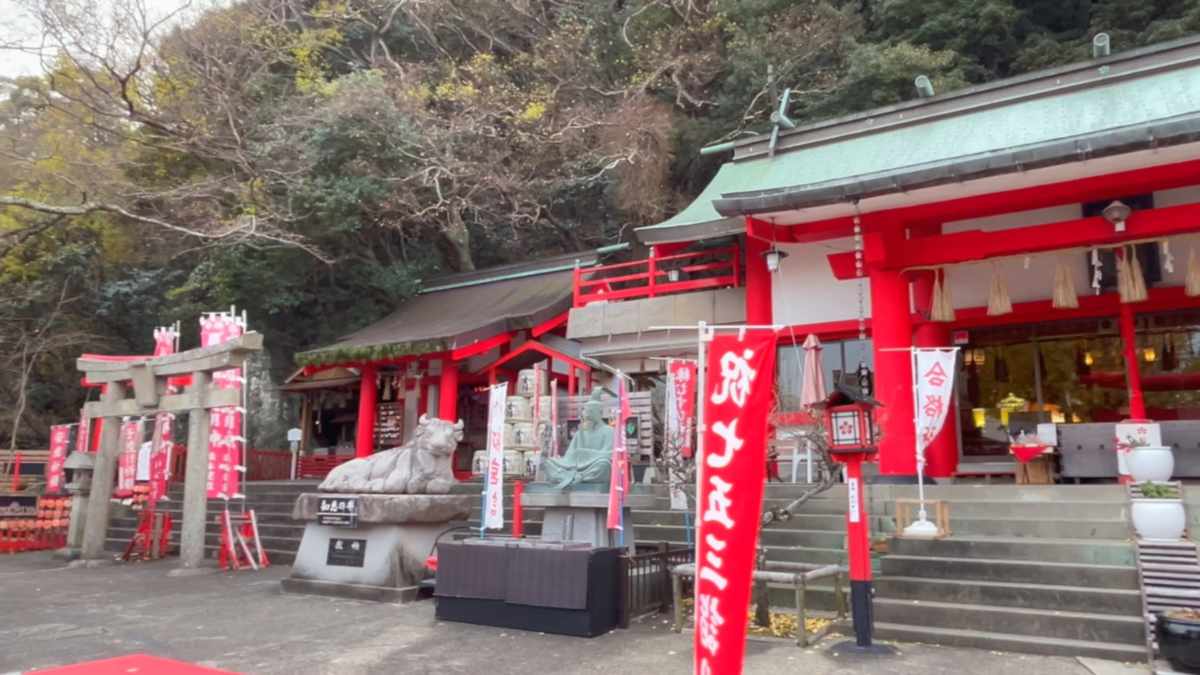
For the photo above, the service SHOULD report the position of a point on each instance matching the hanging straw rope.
(942, 307)
(1065, 296)
(998, 301)
(1139, 279)
(1192, 285)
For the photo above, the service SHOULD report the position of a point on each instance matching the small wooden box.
(937, 510)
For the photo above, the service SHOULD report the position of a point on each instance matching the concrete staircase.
(271, 500)
(1036, 569)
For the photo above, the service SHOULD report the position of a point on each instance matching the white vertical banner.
(493, 490)
(935, 380)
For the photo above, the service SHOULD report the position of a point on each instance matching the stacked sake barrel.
(527, 420)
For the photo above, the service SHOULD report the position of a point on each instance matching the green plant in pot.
(1158, 513)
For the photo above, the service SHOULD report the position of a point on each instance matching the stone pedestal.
(383, 556)
(582, 515)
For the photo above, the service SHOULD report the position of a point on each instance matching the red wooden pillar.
(364, 442)
(572, 385)
(758, 283)
(448, 391)
(941, 457)
(1133, 372)
(891, 332)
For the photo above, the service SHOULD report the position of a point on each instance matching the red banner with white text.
(60, 438)
(83, 435)
(131, 442)
(225, 436)
(160, 454)
(737, 399)
(681, 404)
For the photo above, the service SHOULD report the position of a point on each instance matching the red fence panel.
(658, 275)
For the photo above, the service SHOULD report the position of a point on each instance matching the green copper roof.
(1054, 116)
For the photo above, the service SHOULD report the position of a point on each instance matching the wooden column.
(195, 478)
(891, 333)
(448, 391)
(758, 283)
(364, 440)
(103, 476)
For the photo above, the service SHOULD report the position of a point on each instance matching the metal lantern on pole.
(851, 436)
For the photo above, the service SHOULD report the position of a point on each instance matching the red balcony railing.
(658, 275)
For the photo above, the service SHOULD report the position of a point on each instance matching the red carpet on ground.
(141, 664)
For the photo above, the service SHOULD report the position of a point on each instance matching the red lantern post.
(850, 432)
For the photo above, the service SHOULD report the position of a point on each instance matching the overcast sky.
(16, 26)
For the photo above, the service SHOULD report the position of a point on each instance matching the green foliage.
(402, 140)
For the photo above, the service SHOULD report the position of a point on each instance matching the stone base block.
(353, 591)
(391, 555)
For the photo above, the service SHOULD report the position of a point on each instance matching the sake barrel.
(544, 406)
(527, 384)
(522, 435)
(518, 408)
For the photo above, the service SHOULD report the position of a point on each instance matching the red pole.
(518, 524)
(448, 391)
(571, 384)
(1133, 373)
(16, 481)
(364, 441)
(858, 544)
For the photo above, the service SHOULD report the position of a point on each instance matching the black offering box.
(551, 587)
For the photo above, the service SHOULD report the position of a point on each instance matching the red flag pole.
(518, 526)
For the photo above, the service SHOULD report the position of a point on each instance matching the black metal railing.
(645, 579)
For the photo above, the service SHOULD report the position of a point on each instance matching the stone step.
(1013, 571)
(1068, 625)
(770, 537)
(1051, 529)
(1089, 551)
(1008, 642)
(1120, 601)
(801, 521)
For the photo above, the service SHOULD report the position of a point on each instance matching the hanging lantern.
(999, 302)
(1064, 296)
(1149, 354)
(1082, 367)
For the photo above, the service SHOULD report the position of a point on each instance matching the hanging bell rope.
(1064, 296)
(1192, 285)
(998, 301)
(942, 308)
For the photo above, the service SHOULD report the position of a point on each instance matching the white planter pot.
(1151, 463)
(1159, 518)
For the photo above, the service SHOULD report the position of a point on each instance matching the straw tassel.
(1192, 285)
(1139, 279)
(942, 308)
(998, 301)
(1065, 296)
(1124, 277)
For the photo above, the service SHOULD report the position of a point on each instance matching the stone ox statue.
(421, 466)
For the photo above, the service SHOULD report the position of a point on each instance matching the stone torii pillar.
(149, 379)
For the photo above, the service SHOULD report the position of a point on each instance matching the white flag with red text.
(935, 384)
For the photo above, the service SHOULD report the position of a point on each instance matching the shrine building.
(1046, 224)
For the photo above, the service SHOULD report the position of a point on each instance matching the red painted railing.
(268, 464)
(319, 466)
(652, 277)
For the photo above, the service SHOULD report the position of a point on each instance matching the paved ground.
(51, 615)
